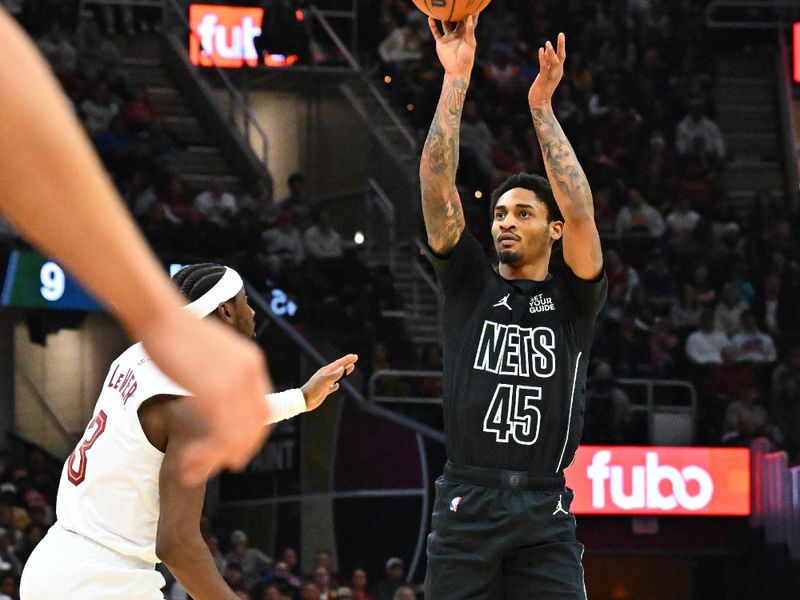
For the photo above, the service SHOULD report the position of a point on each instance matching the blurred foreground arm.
(54, 191)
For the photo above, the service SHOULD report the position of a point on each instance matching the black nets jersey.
(515, 360)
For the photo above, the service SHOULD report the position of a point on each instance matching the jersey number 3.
(512, 414)
(77, 473)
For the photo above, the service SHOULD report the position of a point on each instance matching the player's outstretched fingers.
(472, 22)
(562, 47)
(437, 34)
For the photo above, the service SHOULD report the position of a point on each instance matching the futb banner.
(657, 480)
(224, 36)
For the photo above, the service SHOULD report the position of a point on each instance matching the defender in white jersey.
(122, 505)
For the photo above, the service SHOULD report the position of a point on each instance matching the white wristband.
(285, 405)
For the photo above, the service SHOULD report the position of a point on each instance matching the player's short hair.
(196, 280)
(535, 183)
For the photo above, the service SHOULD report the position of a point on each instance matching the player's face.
(521, 230)
(244, 316)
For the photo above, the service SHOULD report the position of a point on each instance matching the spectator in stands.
(212, 541)
(8, 558)
(771, 307)
(324, 559)
(404, 593)
(216, 205)
(745, 420)
(173, 202)
(697, 126)
(404, 44)
(283, 579)
(622, 278)
(30, 539)
(752, 345)
(728, 246)
(99, 109)
(662, 347)
(140, 195)
(682, 221)
(703, 286)
(58, 50)
(630, 348)
(359, 585)
(309, 591)
(658, 282)
(727, 381)
(96, 54)
(252, 562)
(282, 246)
(259, 199)
(686, 312)
(323, 242)
(322, 579)
(274, 592)
(9, 587)
(289, 556)
(138, 112)
(297, 202)
(637, 220)
(608, 411)
(393, 578)
(704, 346)
(728, 314)
(115, 146)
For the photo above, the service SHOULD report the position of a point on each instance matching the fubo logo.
(660, 480)
(645, 484)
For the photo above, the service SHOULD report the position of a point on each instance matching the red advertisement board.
(225, 36)
(658, 480)
(796, 52)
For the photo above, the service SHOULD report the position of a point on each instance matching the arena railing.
(668, 406)
(749, 14)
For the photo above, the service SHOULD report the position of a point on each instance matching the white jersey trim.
(569, 414)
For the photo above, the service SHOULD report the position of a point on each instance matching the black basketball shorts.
(502, 535)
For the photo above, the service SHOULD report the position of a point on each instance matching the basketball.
(451, 10)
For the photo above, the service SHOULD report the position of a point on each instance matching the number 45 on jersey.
(513, 415)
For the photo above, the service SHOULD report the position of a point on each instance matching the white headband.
(225, 289)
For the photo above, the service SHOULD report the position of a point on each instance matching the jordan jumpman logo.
(559, 507)
(503, 302)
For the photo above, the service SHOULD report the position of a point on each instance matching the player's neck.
(535, 271)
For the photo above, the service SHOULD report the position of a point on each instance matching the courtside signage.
(658, 480)
(225, 36)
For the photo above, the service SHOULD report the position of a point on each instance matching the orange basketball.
(451, 10)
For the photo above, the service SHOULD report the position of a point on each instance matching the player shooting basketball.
(516, 348)
(122, 505)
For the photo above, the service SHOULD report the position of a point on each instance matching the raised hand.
(551, 70)
(326, 381)
(456, 46)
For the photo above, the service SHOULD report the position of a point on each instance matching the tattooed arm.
(581, 240)
(441, 204)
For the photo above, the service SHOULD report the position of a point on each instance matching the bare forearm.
(441, 205)
(570, 186)
(191, 564)
(53, 189)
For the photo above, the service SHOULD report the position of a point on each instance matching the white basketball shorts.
(66, 566)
